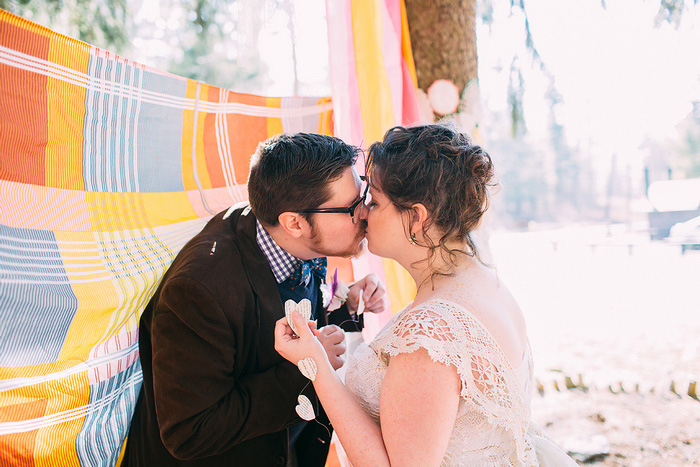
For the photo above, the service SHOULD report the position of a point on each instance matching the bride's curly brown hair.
(441, 168)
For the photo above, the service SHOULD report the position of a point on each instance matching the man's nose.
(364, 211)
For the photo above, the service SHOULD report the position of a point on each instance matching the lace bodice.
(493, 416)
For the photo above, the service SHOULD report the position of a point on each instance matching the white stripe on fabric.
(53, 258)
(115, 343)
(19, 60)
(15, 383)
(153, 254)
(223, 146)
(107, 155)
(135, 120)
(97, 127)
(24, 426)
(119, 136)
(194, 225)
(88, 172)
(74, 261)
(132, 289)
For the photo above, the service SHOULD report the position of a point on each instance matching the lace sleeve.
(452, 337)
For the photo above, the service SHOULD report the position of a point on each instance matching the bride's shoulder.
(495, 320)
(443, 305)
(435, 317)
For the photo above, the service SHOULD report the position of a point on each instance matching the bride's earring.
(414, 240)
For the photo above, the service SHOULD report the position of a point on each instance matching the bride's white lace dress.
(493, 426)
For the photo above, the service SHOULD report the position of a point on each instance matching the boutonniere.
(335, 293)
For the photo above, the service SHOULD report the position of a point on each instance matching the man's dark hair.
(292, 172)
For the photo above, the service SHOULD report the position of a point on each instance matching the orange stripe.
(23, 118)
(18, 449)
(333, 460)
(245, 132)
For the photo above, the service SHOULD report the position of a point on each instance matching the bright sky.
(311, 46)
(620, 77)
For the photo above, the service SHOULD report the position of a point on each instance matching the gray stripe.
(34, 320)
(104, 430)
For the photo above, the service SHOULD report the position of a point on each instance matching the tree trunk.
(443, 38)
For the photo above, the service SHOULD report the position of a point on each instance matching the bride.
(448, 380)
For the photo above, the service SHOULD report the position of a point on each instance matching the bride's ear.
(419, 215)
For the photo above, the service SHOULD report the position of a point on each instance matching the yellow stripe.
(274, 125)
(167, 208)
(41, 390)
(377, 112)
(325, 119)
(406, 49)
(187, 124)
(110, 211)
(55, 445)
(399, 284)
(372, 81)
(64, 151)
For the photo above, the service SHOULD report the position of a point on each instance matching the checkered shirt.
(281, 262)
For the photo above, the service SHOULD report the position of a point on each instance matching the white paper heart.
(305, 409)
(308, 368)
(304, 309)
(360, 305)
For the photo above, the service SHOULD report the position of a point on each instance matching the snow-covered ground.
(609, 305)
(627, 321)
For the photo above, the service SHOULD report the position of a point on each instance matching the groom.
(215, 392)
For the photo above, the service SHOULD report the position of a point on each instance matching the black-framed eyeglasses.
(353, 210)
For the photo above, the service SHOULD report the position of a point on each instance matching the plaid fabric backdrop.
(107, 168)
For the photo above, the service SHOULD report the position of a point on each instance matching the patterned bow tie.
(302, 274)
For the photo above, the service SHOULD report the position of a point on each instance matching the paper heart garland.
(308, 368)
(360, 305)
(305, 409)
(304, 309)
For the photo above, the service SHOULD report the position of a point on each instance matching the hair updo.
(441, 168)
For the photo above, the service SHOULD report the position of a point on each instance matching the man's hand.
(373, 294)
(333, 340)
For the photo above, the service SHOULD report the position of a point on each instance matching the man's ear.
(293, 223)
(418, 215)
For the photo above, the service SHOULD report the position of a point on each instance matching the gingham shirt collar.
(281, 262)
